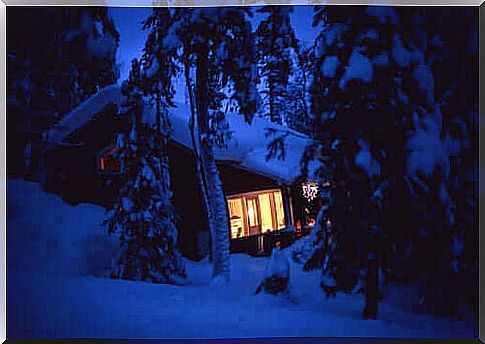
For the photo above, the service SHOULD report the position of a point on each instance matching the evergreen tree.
(282, 76)
(70, 56)
(369, 81)
(277, 52)
(214, 48)
(451, 37)
(142, 216)
(298, 88)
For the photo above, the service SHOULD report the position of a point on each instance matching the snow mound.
(55, 238)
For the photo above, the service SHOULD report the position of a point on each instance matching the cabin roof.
(247, 147)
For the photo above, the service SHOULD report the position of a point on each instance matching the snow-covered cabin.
(265, 197)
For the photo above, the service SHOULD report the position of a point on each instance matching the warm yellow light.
(256, 212)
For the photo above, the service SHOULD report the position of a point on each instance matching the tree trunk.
(219, 220)
(371, 289)
(198, 159)
(272, 110)
(217, 200)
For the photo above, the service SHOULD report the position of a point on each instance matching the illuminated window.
(108, 162)
(266, 212)
(256, 213)
(280, 213)
(237, 220)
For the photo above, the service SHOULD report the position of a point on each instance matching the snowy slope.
(247, 147)
(55, 289)
(46, 235)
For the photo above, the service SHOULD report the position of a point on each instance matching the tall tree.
(298, 89)
(451, 35)
(70, 56)
(369, 81)
(143, 216)
(277, 59)
(214, 48)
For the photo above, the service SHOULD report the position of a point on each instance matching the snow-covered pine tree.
(281, 75)
(370, 80)
(52, 71)
(277, 51)
(92, 45)
(214, 46)
(449, 142)
(298, 88)
(142, 215)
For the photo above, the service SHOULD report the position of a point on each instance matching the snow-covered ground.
(57, 255)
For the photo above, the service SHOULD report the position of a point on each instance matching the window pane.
(280, 213)
(266, 217)
(256, 212)
(252, 212)
(236, 216)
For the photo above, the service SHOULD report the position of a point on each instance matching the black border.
(336, 340)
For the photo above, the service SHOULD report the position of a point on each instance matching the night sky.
(132, 38)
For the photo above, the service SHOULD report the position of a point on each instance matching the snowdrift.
(57, 255)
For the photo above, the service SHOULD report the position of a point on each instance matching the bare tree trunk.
(219, 224)
(217, 200)
(194, 133)
(372, 290)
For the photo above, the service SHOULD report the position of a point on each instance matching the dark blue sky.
(132, 38)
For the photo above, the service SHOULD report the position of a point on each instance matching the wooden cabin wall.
(80, 182)
(236, 180)
(190, 213)
(71, 172)
(72, 169)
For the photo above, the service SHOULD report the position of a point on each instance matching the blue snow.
(359, 68)
(59, 255)
(364, 159)
(329, 66)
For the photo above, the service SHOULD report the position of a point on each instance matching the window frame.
(243, 197)
(107, 172)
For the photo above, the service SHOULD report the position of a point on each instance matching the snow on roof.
(248, 144)
(247, 147)
(84, 112)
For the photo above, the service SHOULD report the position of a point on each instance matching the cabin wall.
(236, 180)
(191, 221)
(71, 169)
(72, 172)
